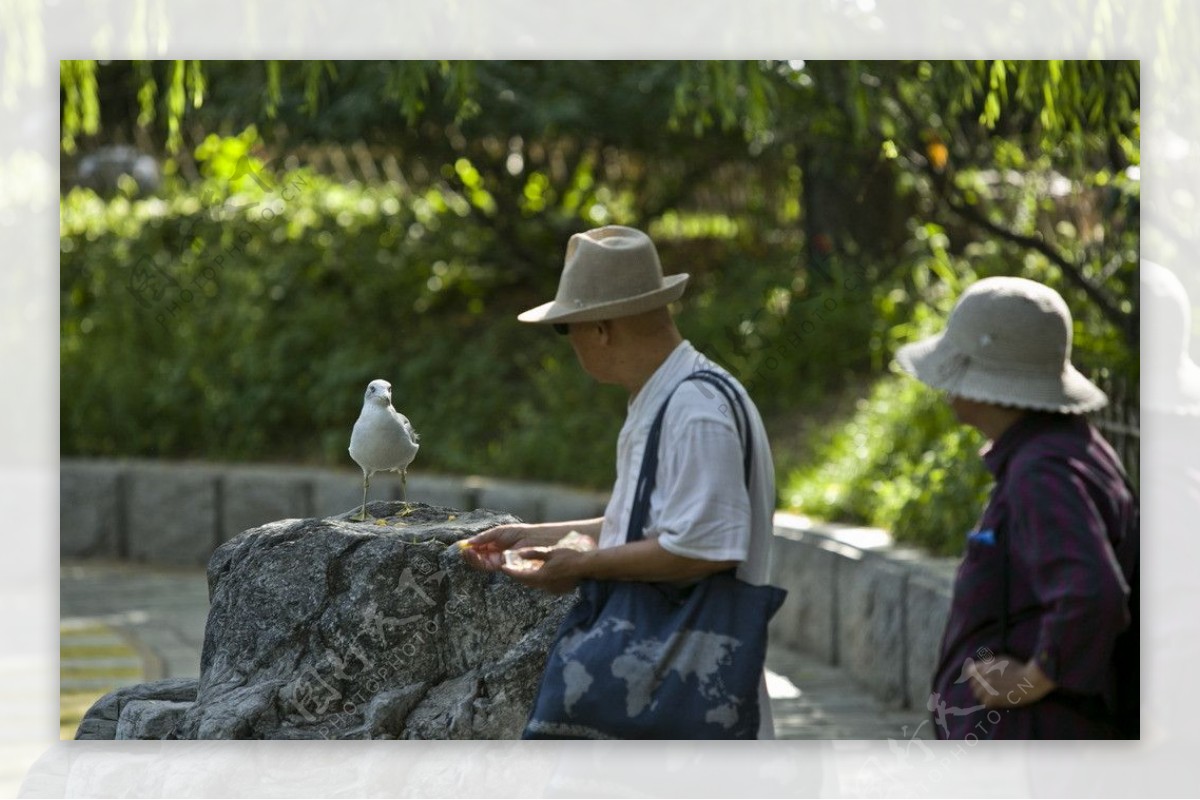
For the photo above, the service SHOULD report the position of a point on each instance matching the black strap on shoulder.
(741, 417)
(649, 472)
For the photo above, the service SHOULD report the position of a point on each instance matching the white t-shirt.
(699, 507)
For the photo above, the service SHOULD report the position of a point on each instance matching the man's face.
(590, 341)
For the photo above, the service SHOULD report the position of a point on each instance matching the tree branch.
(1127, 324)
(1072, 271)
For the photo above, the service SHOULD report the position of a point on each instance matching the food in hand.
(573, 540)
(514, 560)
(576, 541)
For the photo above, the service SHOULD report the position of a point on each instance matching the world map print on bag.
(694, 653)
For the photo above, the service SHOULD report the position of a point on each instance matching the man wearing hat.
(1042, 596)
(703, 518)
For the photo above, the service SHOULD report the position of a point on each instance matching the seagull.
(383, 439)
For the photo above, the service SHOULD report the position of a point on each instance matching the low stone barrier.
(863, 604)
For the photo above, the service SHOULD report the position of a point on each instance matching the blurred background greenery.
(314, 225)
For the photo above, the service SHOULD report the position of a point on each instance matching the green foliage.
(168, 91)
(901, 463)
(80, 105)
(242, 318)
(246, 324)
(790, 342)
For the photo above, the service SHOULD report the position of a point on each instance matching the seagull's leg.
(404, 493)
(362, 514)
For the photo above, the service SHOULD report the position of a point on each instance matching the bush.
(902, 463)
(241, 319)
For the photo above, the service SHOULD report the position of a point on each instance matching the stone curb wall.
(862, 604)
(854, 600)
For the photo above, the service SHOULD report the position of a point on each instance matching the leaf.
(176, 102)
(274, 92)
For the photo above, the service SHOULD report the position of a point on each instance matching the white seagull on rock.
(383, 439)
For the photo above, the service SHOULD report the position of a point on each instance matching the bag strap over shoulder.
(648, 476)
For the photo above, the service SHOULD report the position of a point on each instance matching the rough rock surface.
(150, 719)
(102, 720)
(327, 628)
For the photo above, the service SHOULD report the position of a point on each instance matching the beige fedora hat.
(1008, 342)
(609, 272)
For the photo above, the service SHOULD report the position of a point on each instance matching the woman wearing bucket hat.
(1038, 633)
(701, 517)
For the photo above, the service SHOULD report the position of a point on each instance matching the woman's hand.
(1007, 682)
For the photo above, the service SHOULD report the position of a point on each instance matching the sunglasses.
(561, 328)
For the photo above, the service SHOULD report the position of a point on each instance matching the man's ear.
(604, 329)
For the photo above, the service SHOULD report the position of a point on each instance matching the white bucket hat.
(1008, 342)
(608, 272)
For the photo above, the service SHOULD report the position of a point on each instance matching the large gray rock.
(327, 628)
(150, 719)
(103, 719)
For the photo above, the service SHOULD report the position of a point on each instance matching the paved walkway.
(111, 610)
(161, 611)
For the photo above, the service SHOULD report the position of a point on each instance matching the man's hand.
(560, 570)
(485, 551)
(1007, 682)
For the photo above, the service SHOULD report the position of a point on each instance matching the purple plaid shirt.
(1069, 521)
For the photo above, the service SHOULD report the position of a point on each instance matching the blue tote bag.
(636, 660)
